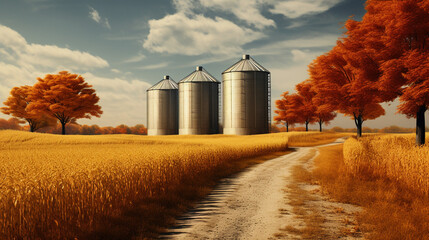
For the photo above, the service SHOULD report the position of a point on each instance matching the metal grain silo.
(163, 108)
(246, 98)
(199, 103)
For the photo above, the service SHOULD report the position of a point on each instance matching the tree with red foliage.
(11, 123)
(324, 114)
(302, 104)
(64, 96)
(139, 129)
(399, 32)
(303, 107)
(298, 111)
(105, 130)
(346, 78)
(282, 113)
(16, 105)
(317, 110)
(122, 129)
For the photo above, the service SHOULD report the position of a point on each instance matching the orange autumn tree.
(302, 104)
(139, 129)
(345, 78)
(324, 112)
(324, 115)
(283, 114)
(11, 123)
(64, 96)
(299, 110)
(399, 32)
(16, 105)
(319, 112)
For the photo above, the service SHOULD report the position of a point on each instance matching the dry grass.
(390, 156)
(114, 186)
(314, 138)
(300, 200)
(391, 210)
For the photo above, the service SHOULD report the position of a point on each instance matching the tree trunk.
(320, 125)
(287, 126)
(30, 123)
(63, 130)
(358, 122)
(420, 126)
(306, 126)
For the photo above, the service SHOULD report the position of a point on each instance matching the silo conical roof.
(246, 64)
(165, 84)
(199, 75)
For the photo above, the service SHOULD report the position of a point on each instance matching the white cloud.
(50, 55)
(190, 32)
(298, 55)
(185, 6)
(38, 5)
(115, 70)
(181, 34)
(305, 42)
(285, 79)
(134, 59)
(296, 9)
(122, 101)
(248, 11)
(154, 66)
(310, 41)
(11, 39)
(94, 15)
(296, 24)
(12, 75)
(16, 50)
(213, 59)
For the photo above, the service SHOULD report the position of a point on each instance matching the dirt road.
(249, 205)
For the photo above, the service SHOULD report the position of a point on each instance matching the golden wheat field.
(393, 156)
(61, 187)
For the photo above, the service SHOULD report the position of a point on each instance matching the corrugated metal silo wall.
(245, 103)
(162, 112)
(198, 108)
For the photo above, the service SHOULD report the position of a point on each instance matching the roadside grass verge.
(314, 138)
(300, 199)
(391, 209)
(391, 156)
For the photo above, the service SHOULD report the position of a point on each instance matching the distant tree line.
(74, 128)
(392, 129)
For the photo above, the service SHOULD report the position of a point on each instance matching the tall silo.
(163, 108)
(199, 103)
(246, 93)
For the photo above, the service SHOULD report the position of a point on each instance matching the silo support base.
(240, 131)
(197, 131)
(155, 132)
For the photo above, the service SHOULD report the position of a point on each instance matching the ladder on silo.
(269, 102)
(220, 107)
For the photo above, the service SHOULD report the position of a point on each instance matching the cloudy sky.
(124, 47)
